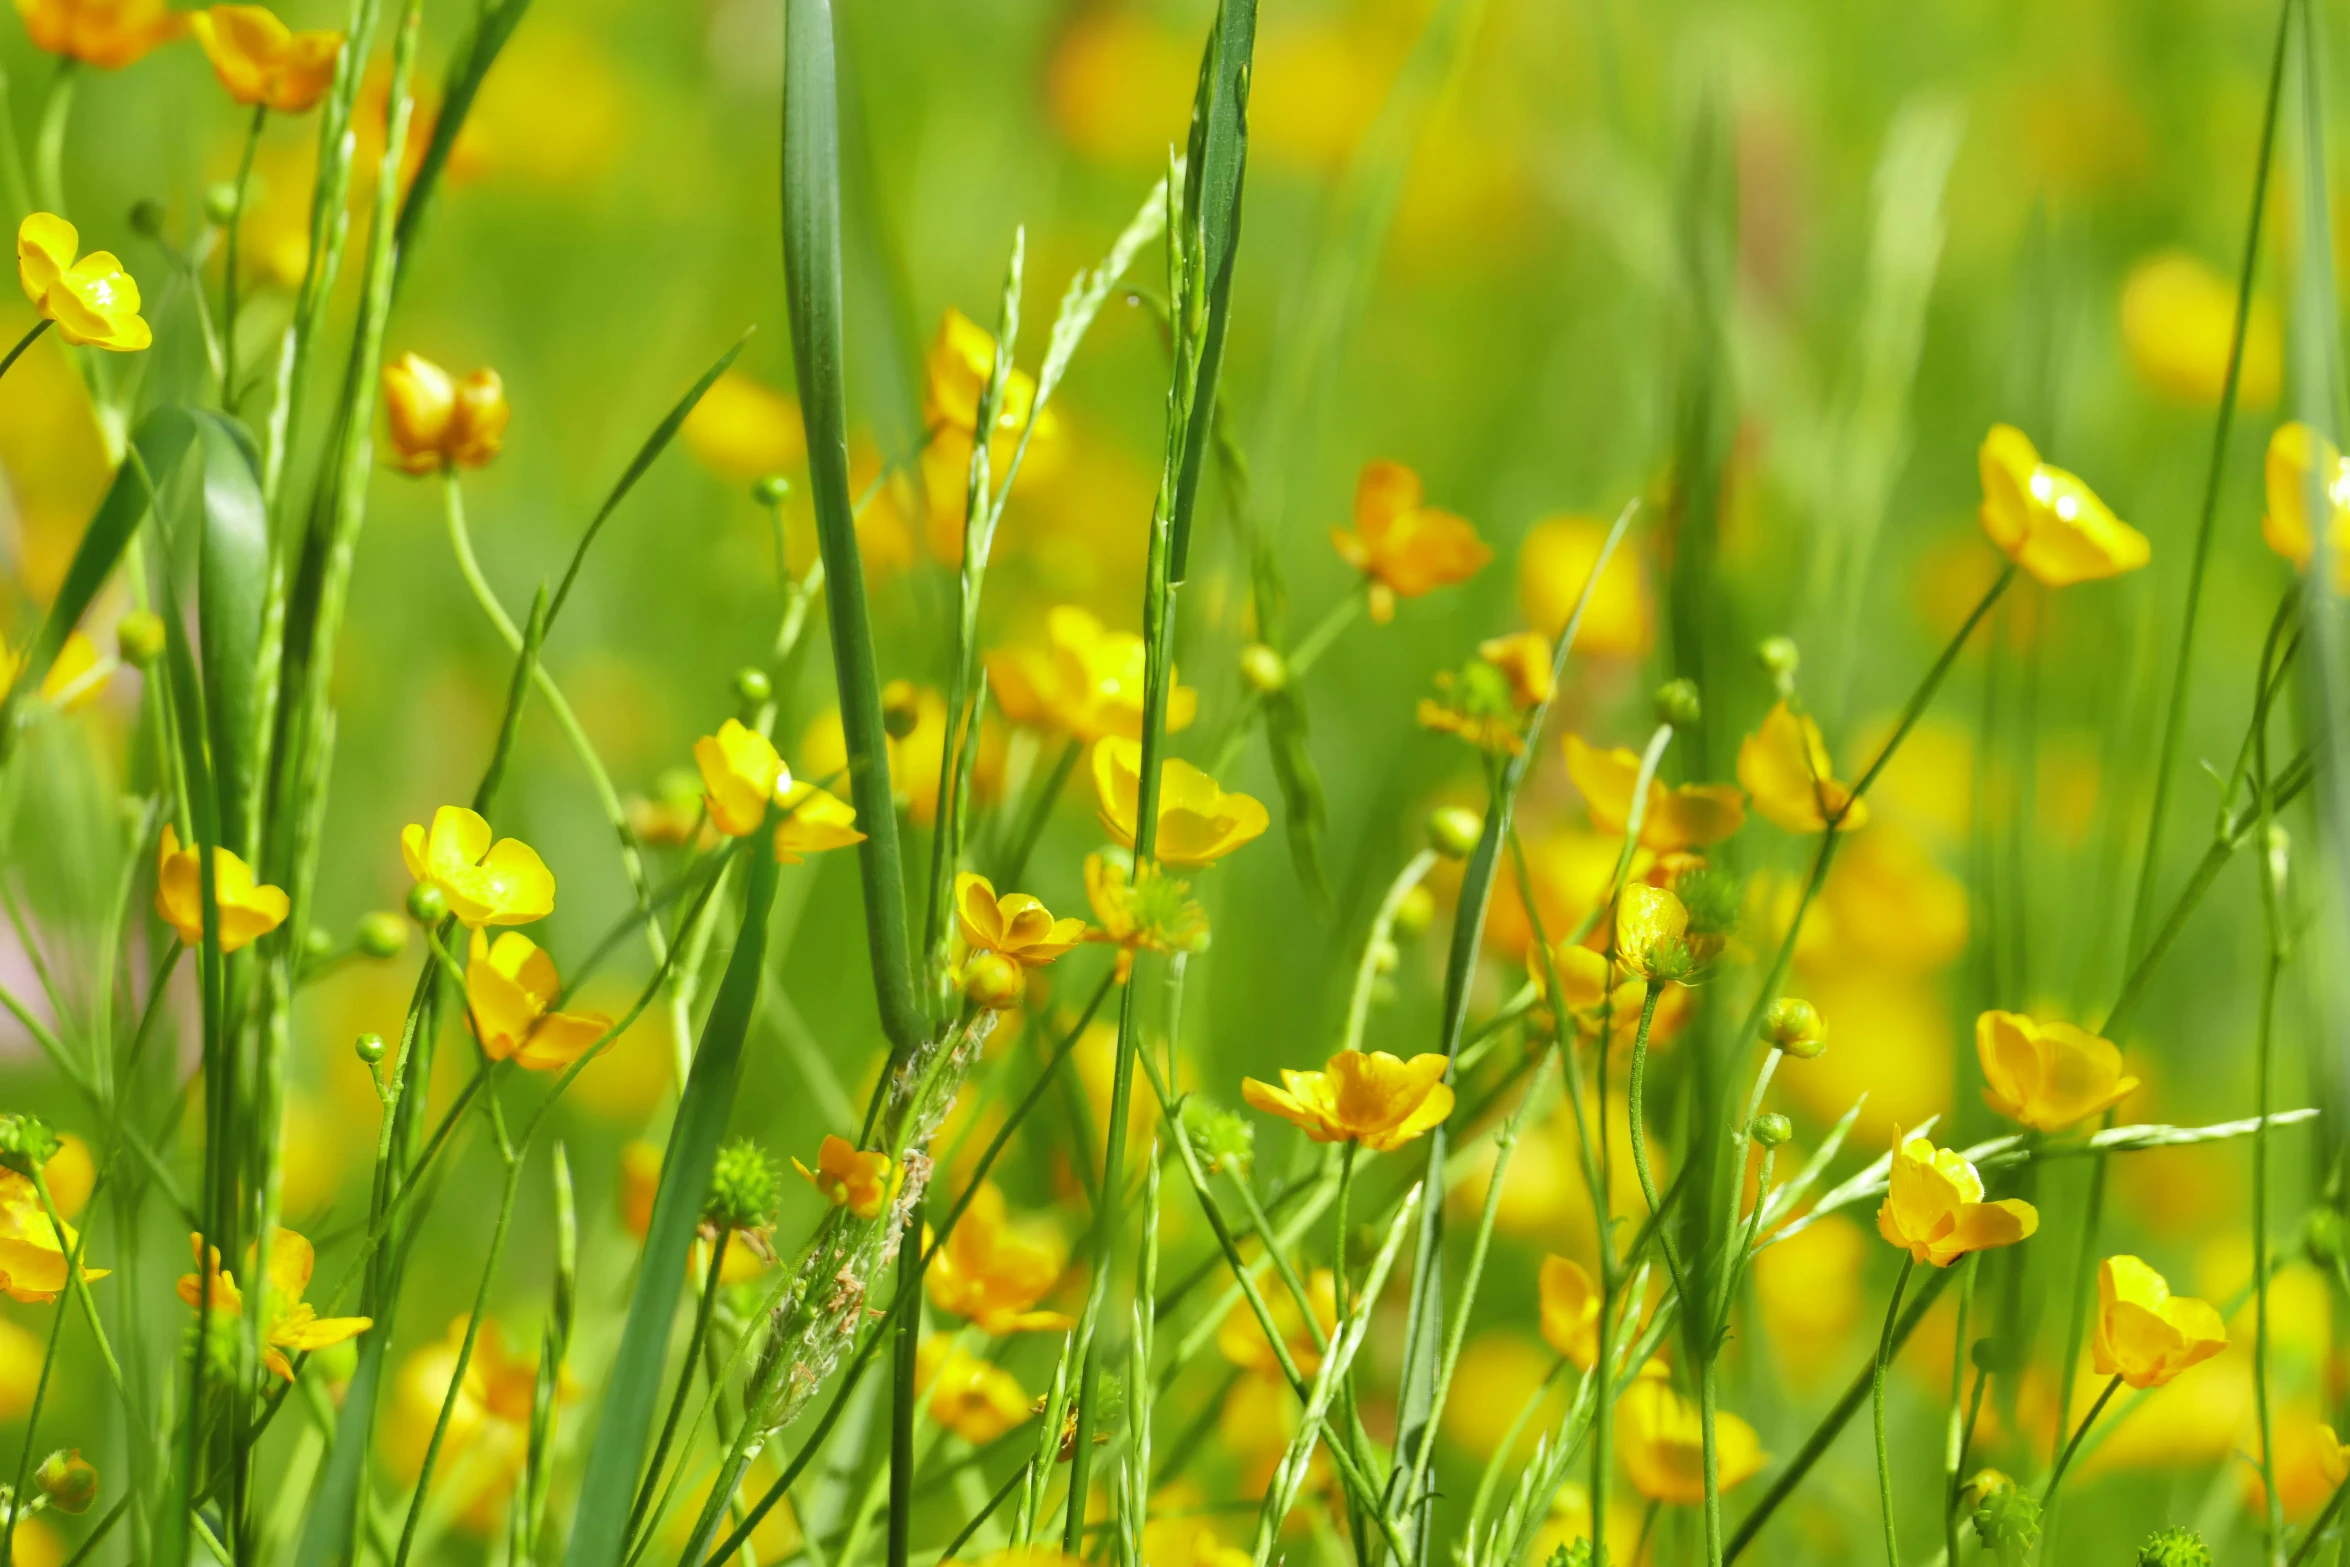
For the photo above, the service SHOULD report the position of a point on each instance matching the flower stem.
(23, 343)
(685, 1382)
(1961, 1429)
(2064, 1459)
(1634, 1111)
(1877, 1399)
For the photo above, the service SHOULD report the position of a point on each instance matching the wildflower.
(1692, 816)
(1375, 1099)
(2049, 522)
(2174, 1547)
(994, 1273)
(1794, 1027)
(1405, 548)
(2047, 1075)
(1591, 990)
(1652, 929)
(486, 1444)
(1663, 1444)
(68, 1480)
(287, 1321)
(955, 377)
(813, 821)
(261, 62)
(745, 429)
(1570, 1310)
(1141, 912)
(108, 34)
(2293, 453)
(850, 1177)
(2179, 326)
(975, 1399)
(1014, 925)
(993, 981)
(505, 883)
(1485, 702)
(1554, 562)
(1086, 682)
(1199, 823)
(1934, 1206)
(437, 422)
(1785, 768)
(2145, 1334)
(33, 1250)
(247, 908)
(92, 300)
(741, 772)
(1523, 657)
(1240, 1337)
(508, 987)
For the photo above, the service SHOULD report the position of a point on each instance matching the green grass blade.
(233, 577)
(493, 26)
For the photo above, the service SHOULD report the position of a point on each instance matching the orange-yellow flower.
(1405, 547)
(108, 34)
(1015, 924)
(1934, 1206)
(1199, 823)
(849, 1177)
(2299, 457)
(994, 1272)
(2049, 522)
(92, 300)
(1693, 816)
(975, 1399)
(247, 908)
(502, 883)
(741, 772)
(1555, 560)
(1376, 1099)
(1570, 1310)
(2179, 325)
(1523, 658)
(486, 1445)
(2145, 1334)
(261, 61)
(438, 422)
(955, 376)
(509, 985)
(1240, 1337)
(1662, 1440)
(2047, 1075)
(813, 821)
(288, 1322)
(1085, 682)
(1785, 768)
(32, 1250)
(1652, 934)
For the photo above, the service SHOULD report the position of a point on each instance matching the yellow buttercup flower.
(509, 984)
(2047, 1075)
(288, 1321)
(1405, 548)
(1570, 1310)
(33, 1251)
(439, 422)
(1086, 682)
(2179, 326)
(1523, 658)
(1555, 560)
(261, 61)
(1662, 1440)
(92, 300)
(1652, 934)
(1199, 823)
(2048, 521)
(955, 375)
(505, 883)
(1240, 1337)
(1692, 816)
(1785, 768)
(2145, 1334)
(1015, 925)
(994, 1272)
(108, 34)
(1150, 912)
(975, 1399)
(2298, 454)
(813, 821)
(741, 772)
(1934, 1206)
(486, 1445)
(1373, 1099)
(247, 908)
(850, 1177)
(745, 430)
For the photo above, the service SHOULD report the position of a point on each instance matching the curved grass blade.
(232, 589)
(493, 26)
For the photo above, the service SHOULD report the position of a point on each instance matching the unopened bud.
(1414, 914)
(1676, 703)
(427, 905)
(68, 1480)
(2174, 1547)
(901, 709)
(752, 688)
(772, 490)
(317, 944)
(1772, 1130)
(2321, 1236)
(1385, 959)
(1453, 831)
(1795, 1027)
(369, 1048)
(744, 1187)
(138, 636)
(1263, 669)
(26, 1143)
(993, 981)
(220, 203)
(1779, 658)
(147, 216)
(381, 934)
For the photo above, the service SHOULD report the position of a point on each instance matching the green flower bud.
(1264, 670)
(773, 490)
(427, 905)
(1772, 1130)
(369, 1048)
(2174, 1547)
(26, 1142)
(2008, 1523)
(70, 1481)
(1453, 831)
(381, 934)
(1795, 1027)
(752, 688)
(1414, 914)
(220, 204)
(1677, 704)
(1575, 1553)
(745, 1187)
(1229, 1142)
(1385, 958)
(2321, 1236)
(147, 218)
(317, 944)
(1982, 1485)
(139, 637)
(1779, 657)
(993, 981)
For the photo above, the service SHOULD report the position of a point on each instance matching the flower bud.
(1385, 959)
(138, 636)
(437, 421)
(993, 981)
(1772, 1130)
(1795, 1027)
(380, 934)
(1994, 1356)
(1779, 657)
(2174, 1547)
(772, 490)
(1229, 1142)
(1453, 831)
(1414, 914)
(1676, 703)
(68, 1480)
(2008, 1523)
(317, 945)
(1264, 670)
(752, 688)
(220, 204)
(369, 1048)
(427, 905)
(901, 709)
(2321, 1236)
(1981, 1486)
(26, 1143)
(745, 1187)
(147, 218)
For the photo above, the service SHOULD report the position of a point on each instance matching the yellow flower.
(505, 883)
(1555, 560)
(975, 1399)
(1240, 1337)
(851, 1178)
(247, 908)
(1693, 816)
(1198, 822)
(1015, 925)
(1652, 931)
(2047, 1075)
(1375, 1100)
(438, 422)
(2293, 452)
(1594, 997)
(2179, 325)
(1145, 913)
(813, 821)
(2049, 522)
(2145, 1334)
(741, 772)
(994, 1273)
(92, 300)
(745, 430)
(1663, 1445)
(1570, 1310)
(509, 985)
(955, 376)
(288, 1321)
(1404, 547)
(1934, 1206)
(487, 1442)
(261, 62)
(108, 34)
(1086, 682)
(1523, 657)
(1785, 768)
(32, 1250)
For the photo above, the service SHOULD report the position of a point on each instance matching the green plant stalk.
(24, 343)
(1960, 1429)
(228, 287)
(2064, 1459)
(49, 136)
(703, 1307)
(2271, 871)
(1635, 1111)
(1877, 1404)
(905, 1346)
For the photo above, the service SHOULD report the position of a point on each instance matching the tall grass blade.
(233, 582)
(493, 25)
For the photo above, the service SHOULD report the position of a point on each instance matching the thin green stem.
(1877, 1404)
(229, 257)
(2064, 1459)
(1635, 1111)
(24, 343)
(1960, 1429)
(712, 1276)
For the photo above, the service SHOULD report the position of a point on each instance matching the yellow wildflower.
(2179, 326)
(1692, 816)
(994, 1273)
(1652, 934)
(508, 987)
(1373, 1099)
(487, 1441)
(2047, 1075)
(741, 772)
(1523, 657)
(813, 821)
(745, 429)
(1570, 1310)
(1659, 1433)
(505, 883)
(438, 422)
(1785, 768)
(1404, 547)
(1149, 912)
(2293, 452)
(261, 61)
(1086, 682)
(2145, 1334)
(1199, 823)
(2049, 522)
(108, 34)
(1240, 1337)
(850, 1177)
(1014, 925)
(92, 300)
(247, 908)
(288, 1321)
(1596, 996)
(955, 376)
(1555, 560)
(1934, 1206)
(32, 1250)
(975, 1399)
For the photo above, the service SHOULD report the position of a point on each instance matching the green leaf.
(1301, 791)
(471, 64)
(232, 586)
